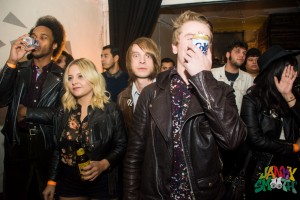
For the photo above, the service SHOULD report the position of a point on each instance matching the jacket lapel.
(53, 78)
(161, 112)
(26, 75)
(160, 109)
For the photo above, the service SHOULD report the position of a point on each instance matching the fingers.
(90, 176)
(20, 43)
(21, 112)
(91, 172)
(48, 195)
(285, 84)
(298, 142)
(193, 49)
(289, 73)
(209, 54)
(190, 52)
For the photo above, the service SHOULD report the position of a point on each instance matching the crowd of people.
(162, 129)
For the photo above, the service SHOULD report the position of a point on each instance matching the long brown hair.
(148, 46)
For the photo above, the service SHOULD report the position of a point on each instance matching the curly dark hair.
(237, 43)
(58, 32)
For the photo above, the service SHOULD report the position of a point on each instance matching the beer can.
(201, 41)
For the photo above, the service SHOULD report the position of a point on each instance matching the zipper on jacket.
(44, 136)
(15, 120)
(188, 171)
(156, 170)
(187, 167)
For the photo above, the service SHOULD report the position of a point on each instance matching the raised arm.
(218, 101)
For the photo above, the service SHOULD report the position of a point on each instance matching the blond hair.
(186, 17)
(96, 80)
(148, 46)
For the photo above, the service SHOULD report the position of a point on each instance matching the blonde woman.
(90, 121)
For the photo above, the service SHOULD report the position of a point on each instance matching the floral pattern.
(75, 134)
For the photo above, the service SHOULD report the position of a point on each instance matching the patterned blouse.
(75, 134)
(180, 100)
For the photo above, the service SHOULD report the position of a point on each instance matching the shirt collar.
(134, 90)
(173, 71)
(115, 75)
(46, 68)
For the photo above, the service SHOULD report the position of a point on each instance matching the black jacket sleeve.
(7, 80)
(220, 108)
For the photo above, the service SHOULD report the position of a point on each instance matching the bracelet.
(11, 65)
(296, 148)
(51, 183)
(291, 100)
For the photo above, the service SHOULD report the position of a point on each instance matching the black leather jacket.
(14, 84)
(107, 134)
(264, 128)
(125, 103)
(212, 121)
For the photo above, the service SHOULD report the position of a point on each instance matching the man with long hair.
(142, 62)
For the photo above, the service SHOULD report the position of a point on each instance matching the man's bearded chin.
(235, 64)
(37, 56)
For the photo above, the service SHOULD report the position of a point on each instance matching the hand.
(298, 142)
(18, 50)
(286, 83)
(49, 192)
(21, 112)
(94, 169)
(196, 61)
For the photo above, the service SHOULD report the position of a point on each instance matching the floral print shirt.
(75, 135)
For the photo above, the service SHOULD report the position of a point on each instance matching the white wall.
(84, 22)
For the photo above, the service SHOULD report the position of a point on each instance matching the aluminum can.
(201, 41)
